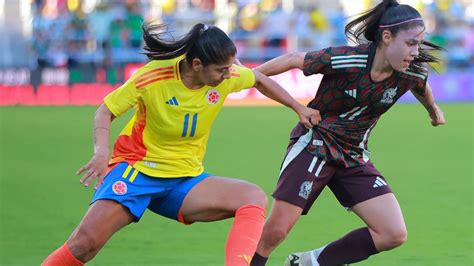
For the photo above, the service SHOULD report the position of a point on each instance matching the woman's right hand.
(95, 168)
(309, 117)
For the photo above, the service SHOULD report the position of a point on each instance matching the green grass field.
(430, 170)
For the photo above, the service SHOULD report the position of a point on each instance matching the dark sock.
(356, 246)
(258, 260)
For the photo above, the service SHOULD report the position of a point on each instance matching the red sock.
(244, 235)
(62, 257)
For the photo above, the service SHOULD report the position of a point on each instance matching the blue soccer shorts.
(137, 191)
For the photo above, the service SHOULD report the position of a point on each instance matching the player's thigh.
(216, 198)
(364, 190)
(382, 214)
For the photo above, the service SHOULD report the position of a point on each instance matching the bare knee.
(254, 195)
(392, 239)
(397, 238)
(84, 245)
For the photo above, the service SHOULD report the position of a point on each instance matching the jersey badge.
(213, 96)
(119, 188)
(388, 95)
(305, 189)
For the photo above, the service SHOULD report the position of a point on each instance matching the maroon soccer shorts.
(303, 176)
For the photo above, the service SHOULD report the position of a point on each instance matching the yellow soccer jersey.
(167, 136)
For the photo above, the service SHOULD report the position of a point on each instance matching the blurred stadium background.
(58, 53)
(75, 51)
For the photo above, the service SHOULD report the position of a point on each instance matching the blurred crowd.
(68, 38)
(108, 33)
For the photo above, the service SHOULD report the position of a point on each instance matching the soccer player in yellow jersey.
(157, 159)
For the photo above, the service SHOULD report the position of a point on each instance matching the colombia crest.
(119, 188)
(213, 96)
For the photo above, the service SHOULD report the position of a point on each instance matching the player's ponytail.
(207, 43)
(367, 24)
(391, 16)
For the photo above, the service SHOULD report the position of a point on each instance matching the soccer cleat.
(292, 259)
(301, 259)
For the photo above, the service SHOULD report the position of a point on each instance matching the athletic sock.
(62, 257)
(258, 260)
(356, 246)
(244, 235)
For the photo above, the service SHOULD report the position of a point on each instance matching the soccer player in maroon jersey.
(360, 84)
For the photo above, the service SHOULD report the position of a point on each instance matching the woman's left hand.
(437, 116)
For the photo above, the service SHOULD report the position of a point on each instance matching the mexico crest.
(389, 95)
(305, 189)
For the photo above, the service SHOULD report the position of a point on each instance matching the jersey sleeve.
(242, 78)
(420, 87)
(123, 98)
(317, 62)
(419, 78)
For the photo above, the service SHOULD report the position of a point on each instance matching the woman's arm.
(282, 64)
(268, 87)
(427, 99)
(97, 166)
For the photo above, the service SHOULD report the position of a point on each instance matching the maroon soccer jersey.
(351, 103)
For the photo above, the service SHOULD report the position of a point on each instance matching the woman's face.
(213, 74)
(403, 48)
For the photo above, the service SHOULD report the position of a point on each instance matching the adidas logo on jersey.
(352, 93)
(379, 182)
(172, 101)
